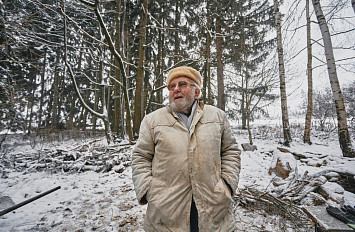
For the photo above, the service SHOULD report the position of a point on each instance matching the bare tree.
(138, 110)
(285, 120)
(307, 128)
(343, 132)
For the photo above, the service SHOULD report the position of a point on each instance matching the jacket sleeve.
(230, 156)
(142, 156)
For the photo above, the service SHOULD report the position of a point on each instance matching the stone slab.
(326, 222)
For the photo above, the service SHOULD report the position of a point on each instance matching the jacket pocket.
(224, 197)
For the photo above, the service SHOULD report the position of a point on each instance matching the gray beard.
(185, 105)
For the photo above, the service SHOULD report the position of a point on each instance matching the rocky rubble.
(327, 185)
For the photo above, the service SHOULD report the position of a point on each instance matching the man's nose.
(177, 89)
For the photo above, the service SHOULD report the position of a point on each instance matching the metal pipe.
(8, 210)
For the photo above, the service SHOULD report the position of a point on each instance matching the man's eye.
(182, 84)
(172, 86)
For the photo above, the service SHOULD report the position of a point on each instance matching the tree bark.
(219, 51)
(343, 132)
(284, 109)
(307, 127)
(161, 57)
(176, 32)
(118, 126)
(207, 72)
(137, 118)
(40, 111)
(54, 121)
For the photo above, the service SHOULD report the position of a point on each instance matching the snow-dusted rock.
(282, 164)
(332, 191)
(330, 175)
(6, 202)
(333, 187)
(249, 147)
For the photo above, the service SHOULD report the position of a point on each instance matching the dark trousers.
(193, 217)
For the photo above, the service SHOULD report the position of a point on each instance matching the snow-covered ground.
(105, 200)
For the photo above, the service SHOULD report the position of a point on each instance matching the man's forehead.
(181, 78)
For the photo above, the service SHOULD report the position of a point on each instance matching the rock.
(330, 175)
(282, 164)
(119, 168)
(333, 187)
(332, 191)
(249, 147)
(6, 202)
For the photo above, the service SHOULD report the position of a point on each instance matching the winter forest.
(77, 78)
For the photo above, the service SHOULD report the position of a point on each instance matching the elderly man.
(186, 162)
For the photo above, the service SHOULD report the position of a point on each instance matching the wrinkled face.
(182, 93)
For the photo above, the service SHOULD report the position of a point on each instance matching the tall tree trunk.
(32, 101)
(126, 111)
(160, 69)
(55, 92)
(176, 32)
(70, 124)
(243, 74)
(105, 116)
(307, 127)
(96, 100)
(219, 51)
(161, 57)
(343, 132)
(85, 118)
(284, 110)
(74, 96)
(137, 118)
(40, 111)
(118, 119)
(248, 126)
(207, 72)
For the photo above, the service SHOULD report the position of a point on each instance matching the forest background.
(101, 65)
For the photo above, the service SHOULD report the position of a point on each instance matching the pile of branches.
(308, 189)
(265, 203)
(90, 156)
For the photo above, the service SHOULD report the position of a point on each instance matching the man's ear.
(197, 92)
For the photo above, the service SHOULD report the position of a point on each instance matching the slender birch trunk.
(343, 132)
(307, 127)
(285, 120)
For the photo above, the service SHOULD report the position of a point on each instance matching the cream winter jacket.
(170, 164)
